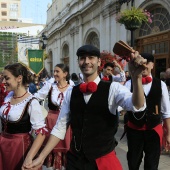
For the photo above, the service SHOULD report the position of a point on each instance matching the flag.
(25, 43)
(35, 61)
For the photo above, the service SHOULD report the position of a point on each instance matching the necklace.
(62, 87)
(15, 97)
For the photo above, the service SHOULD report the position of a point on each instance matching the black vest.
(149, 116)
(51, 106)
(93, 126)
(23, 125)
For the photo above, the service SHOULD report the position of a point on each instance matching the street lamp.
(43, 41)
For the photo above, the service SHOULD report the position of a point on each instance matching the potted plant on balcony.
(133, 18)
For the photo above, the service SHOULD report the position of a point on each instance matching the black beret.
(88, 49)
(148, 56)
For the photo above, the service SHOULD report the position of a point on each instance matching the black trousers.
(143, 141)
(79, 162)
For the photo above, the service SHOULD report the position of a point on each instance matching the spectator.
(108, 72)
(75, 78)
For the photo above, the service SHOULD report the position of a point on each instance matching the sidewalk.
(121, 150)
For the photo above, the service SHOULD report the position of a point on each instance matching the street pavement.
(121, 151)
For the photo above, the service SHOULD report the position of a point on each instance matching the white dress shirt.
(118, 95)
(165, 103)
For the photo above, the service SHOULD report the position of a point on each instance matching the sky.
(35, 9)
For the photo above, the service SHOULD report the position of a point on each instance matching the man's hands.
(136, 65)
(116, 64)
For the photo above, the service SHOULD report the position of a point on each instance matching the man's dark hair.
(108, 65)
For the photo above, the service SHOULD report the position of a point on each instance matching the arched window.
(93, 39)
(65, 54)
(161, 22)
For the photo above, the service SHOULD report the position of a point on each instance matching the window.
(13, 14)
(13, 7)
(159, 48)
(4, 13)
(3, 5)
(160, 22)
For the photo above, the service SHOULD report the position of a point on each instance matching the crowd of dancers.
(79, 130)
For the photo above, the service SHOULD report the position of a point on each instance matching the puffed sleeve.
(43, 92)
(36, 117)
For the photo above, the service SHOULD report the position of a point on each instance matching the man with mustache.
(90, 108)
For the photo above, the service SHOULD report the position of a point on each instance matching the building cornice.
(90, 5)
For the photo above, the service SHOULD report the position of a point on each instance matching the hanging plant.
(133, 18)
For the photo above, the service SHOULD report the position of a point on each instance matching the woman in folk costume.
(20, 113)
(56, 93)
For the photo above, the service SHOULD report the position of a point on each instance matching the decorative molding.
(110, 9)
(74, 30)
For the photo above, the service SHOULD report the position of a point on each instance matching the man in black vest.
(107, 73)
(90, 108)
(144, 132)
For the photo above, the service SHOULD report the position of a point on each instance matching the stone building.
(72, 23)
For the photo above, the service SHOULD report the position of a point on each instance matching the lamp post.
(43, 41)
(132, 31)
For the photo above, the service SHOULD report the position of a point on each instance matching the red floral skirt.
(13, 149)
(57, 158)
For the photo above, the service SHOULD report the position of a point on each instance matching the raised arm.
(135, 69)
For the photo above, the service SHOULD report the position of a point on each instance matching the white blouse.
(118, 96)
(34, 110)
(56, 98)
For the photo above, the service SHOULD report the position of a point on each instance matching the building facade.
(73, 23)
(10, 10)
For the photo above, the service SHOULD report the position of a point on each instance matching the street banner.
(25, 43)
(35, 61)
